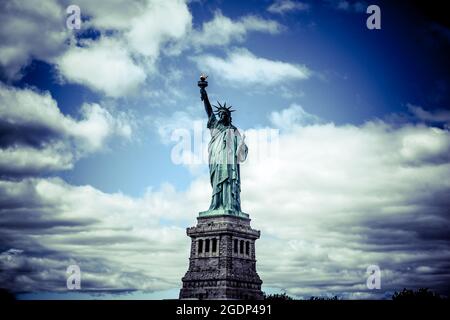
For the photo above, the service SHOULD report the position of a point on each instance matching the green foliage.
(278, 297)
(422, 294)
(323, 298)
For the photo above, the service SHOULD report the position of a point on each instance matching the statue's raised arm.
(204, 96)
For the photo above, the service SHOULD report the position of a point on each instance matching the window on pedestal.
(200, 246)
(214, 245)
(241, 247)
(247, 247)
(207, 245)
(235, 245)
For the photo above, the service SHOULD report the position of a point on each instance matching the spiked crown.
(223, 108)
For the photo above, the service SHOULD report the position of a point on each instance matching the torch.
(203, 83)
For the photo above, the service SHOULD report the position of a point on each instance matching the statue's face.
(225, 118)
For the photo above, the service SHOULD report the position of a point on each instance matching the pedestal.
(222, 264)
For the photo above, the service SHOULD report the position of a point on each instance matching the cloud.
(439, 116)
(150, 30)
(292, 117)
(336, 200)
(36, 137)
(18, 161)
(132, 38)
(349, 6)
(346, 197)
(178, 121)
(116, 240)
(113, 14)
(123, 58)
(30, 31)
(241, 67)
(103, 65)
(284, 6)
(221, 30)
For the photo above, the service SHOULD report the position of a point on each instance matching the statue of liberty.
(226, 149)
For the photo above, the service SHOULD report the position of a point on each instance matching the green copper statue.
(226, 150)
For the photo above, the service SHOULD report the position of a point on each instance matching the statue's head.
(224, 113)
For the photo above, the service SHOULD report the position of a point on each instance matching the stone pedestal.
(222, 264)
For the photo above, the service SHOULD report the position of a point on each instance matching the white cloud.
(346, 197)
(37, 137)
(30, 31)
(133, 38)
(221, 30)
(112, 14)
(103, 65)
(161, 22)
(20, 161)
(117, 64)
(283, 6)
(241, 67)
(419, 146)
(337, 199)
(292, 117)
(116, 240)
(97, 125)
(142, 23)
(179, 120)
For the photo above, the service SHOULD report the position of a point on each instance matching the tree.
(422, 294)
(323, 298)
(277, 297)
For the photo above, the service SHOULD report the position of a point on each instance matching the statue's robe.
(226, 150)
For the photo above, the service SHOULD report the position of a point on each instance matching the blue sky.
(362, 72)
(87, 118)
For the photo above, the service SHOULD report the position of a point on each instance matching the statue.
(222, 262)
(226, 149)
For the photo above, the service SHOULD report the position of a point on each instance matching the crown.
(223, 108)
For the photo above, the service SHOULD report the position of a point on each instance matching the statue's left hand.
(242, 150)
